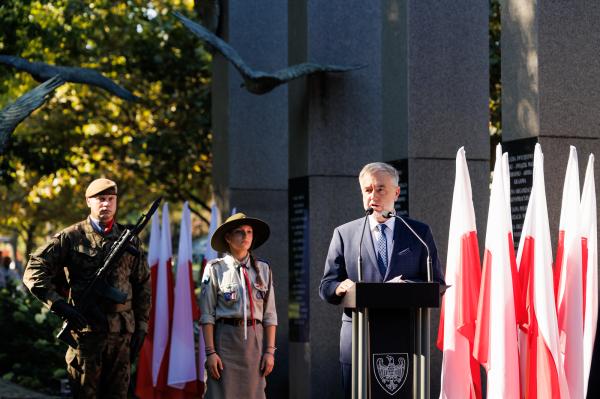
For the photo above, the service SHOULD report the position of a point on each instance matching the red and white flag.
(589, 238)
(568, 281)
(144, 388)
(544, 374)
(460, 371)
(520, 313)
(183, 373)
(163, 306)
(496, 332)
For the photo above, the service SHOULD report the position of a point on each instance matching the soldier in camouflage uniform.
(100, 367)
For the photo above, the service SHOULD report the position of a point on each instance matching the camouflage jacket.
(78, 251)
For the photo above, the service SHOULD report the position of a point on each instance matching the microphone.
(368, 211)
(390, 214)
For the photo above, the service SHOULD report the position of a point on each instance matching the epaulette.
(263, 261)
(213, 261)
(74, 228)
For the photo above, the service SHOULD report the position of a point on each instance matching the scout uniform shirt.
(223, 290)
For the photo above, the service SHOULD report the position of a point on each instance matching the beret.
(99, 186)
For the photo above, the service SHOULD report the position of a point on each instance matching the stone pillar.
(551, 91)
(250, 144)
(422, 95)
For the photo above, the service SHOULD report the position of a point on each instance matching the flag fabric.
(495, 344)
(520, 313)
(568, 281)
(506, 180)
(459, 304)
(144, 388)
(544, 374)
(163, 306)
(589, 238)
(182, 353)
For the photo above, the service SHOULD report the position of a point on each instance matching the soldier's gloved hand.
(68, 312)
(137, 340)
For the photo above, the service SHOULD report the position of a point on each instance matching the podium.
(390, 338)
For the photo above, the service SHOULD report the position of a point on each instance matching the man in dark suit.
(389, 251)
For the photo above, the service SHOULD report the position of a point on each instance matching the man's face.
(240, 239)
(103, 207)
(379, 191)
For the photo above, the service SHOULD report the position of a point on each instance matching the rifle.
(87, 303)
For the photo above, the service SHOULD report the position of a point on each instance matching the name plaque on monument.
(401, 204)
(298, 308)
(520, 160)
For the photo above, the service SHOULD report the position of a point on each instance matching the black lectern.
(390, 338)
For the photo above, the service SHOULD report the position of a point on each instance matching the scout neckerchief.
(247, 293)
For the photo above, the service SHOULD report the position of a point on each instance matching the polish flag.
(182, 354)
(520, 312)
(459, 304)
(496, 327)
(163, 306)
(144, 388)
(589, 238)
(568, 274)
(544, 374)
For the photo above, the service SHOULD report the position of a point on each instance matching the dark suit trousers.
(347, 379)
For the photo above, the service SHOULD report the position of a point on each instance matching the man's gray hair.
(374, 167)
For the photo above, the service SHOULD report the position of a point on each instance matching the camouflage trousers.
(100, 367)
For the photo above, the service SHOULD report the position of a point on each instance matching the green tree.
(25, 339)
(158, 146)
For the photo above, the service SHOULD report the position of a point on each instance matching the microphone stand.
(423, 352)
(368, 212)
(360, 333)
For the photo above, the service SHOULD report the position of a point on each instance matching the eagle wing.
(42, 72)
(15, 113)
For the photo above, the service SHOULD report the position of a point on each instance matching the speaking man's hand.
(343, 287)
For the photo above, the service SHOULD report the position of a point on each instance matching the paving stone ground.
(8, 390)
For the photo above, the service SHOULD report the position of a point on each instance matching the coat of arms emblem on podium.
(391, 370)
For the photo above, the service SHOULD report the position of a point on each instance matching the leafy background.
(157, 146)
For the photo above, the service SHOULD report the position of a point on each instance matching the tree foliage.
(158, 146)
(29, 353)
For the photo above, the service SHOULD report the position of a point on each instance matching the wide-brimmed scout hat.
(260, 231)
(101, 186)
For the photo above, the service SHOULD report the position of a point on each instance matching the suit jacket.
(409, 259)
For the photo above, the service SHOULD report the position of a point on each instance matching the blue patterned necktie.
(382, 251)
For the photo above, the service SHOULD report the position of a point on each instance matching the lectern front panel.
(392, 345)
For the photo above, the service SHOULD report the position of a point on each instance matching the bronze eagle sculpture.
(42, 72)
(15, 113)
(259, 82)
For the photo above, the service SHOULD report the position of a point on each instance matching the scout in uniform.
(100, 366)
(238, 312)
